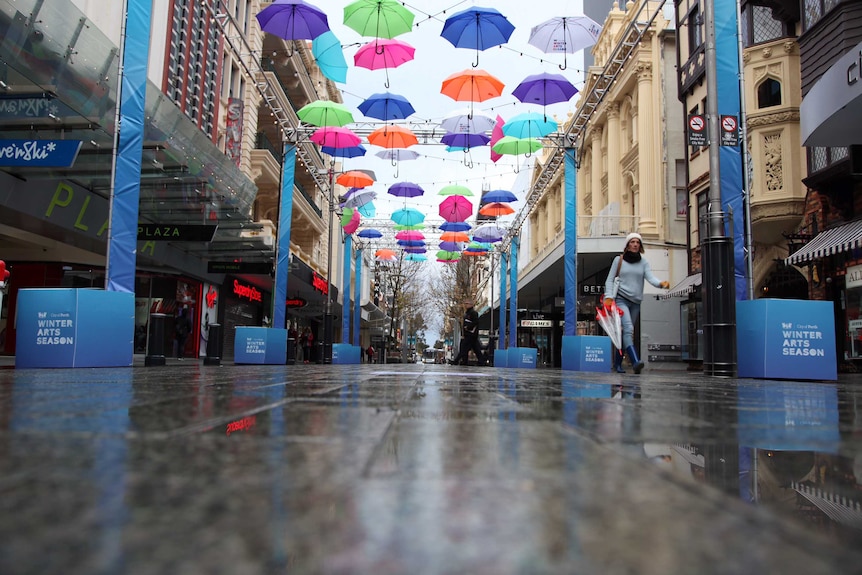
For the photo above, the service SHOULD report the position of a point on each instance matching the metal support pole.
(327, 315)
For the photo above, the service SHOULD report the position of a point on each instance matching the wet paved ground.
(425, 469)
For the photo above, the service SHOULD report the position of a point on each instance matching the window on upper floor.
(759, 25)
(815, 10)
(769, 93)
(695, 29)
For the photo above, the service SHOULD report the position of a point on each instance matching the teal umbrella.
(330, 57)
(408, 217)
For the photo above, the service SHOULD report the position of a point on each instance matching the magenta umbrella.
(384, 53)
(335, 137)
(455, 209)
(409, 235)
(353, 223)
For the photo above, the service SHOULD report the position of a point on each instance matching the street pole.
(327, 315)
(719, 284)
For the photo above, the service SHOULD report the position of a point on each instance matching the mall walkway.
(407, 469)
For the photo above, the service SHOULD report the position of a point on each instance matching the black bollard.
(213, 356)
(156, 344)
(291, 351)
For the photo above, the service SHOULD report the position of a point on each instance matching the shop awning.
(684, 287)
(829, 242)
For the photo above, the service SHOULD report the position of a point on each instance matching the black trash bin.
(156, 343)
(213, 356)
(291, 351)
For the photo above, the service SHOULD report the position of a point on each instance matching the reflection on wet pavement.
(431, 469)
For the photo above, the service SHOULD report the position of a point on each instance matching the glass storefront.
(853, 312)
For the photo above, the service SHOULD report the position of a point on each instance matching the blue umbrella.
(293, 20)
(367, 210)
(405, 190)
(348, 152)
(529, 125)
(407, 217)
(386, 106)
(477, 28)
(370, 233)
(544, 89)
(504, 196)
(330, 57)
(455, 226)
(465, 140)
(411, 243)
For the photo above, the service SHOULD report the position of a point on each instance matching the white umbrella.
(467, 121)
(566, 34)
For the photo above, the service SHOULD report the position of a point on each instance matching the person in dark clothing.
(182, 328)
(470, 338)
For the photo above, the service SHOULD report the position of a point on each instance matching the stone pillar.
(596, 178)
(614, 155)
(649, 151)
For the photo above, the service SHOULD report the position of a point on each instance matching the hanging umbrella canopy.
(386, 255)
(529, 125)
(478, 29)
(455, 209)
(360, 199)
(465, 141)
(451, 246)
(348, 152)
(354, 179)
(409, 235)
(383, 53)
(467, 121)
(335, 138)
(496, 209)
(397, 155)
(455, 226)
(408, 217)
(351, 226)
(496, 134)
(392, 137)
(378, 18)
(472, 86)
(566, 34)
(544, 89)
(516, 146)
(325, 113)
(370, 234)
(347, 215)
(416, 250)
(408, 227)
(367, 210)
(293, 20)
(504, 196)
(405, 190)
(488, 233)
(475, 246)
(411, 243)
(386, 106)
(448, 255)
(455, 237)
(415, 257)
(329, 55)
(455, 190)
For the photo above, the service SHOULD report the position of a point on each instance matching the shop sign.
(853, 279)
(536, 323)
(211, 297)
(246, 291)
(319, 284)
(593, 289)
(296, 302)
(260, 268)
(177, 233)
(39, 153)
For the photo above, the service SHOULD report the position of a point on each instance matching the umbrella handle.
(476, 63)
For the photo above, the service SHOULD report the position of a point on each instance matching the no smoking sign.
(696, 130)
(729, 131)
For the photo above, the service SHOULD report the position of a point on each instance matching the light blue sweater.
(632, 278)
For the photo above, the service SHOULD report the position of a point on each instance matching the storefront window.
(691, 325)
(853, 296)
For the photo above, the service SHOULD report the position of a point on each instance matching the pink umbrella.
(409, 235)
(334, 137)
(353, 224)
(383, 53)
(496, 134)
(455, 209)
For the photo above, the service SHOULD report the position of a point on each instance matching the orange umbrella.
(496, 209)
(454, 237)
(354, 179)
(472, 86)
(385, 255)
(392, 137)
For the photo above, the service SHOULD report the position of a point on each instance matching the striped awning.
(829, 242)
(684, 287)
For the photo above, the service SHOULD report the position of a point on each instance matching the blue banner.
(39, 153)
(282, 255)
(513, 297)
(357, 297)
(730, 157)
(345, 291)
(504, 260)
(123, 230)
(570, 259)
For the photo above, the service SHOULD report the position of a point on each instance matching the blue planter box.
(345, 354)
(260, 345)
(501, 358)
(66, 327)
(586, 353)
(786, 339)
(523, 357)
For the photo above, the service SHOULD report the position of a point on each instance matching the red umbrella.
(456, 209)
(496, 209)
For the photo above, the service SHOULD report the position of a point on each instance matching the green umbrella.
(378, 18)
(455, 190)
(346, 216)
(446, 255)
(325, 113)
(516, 146)
(399, 228)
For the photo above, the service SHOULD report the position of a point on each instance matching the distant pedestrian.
(182, 329)
(370, 353)
(307, 344)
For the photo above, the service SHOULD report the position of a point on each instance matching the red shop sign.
(245, 291)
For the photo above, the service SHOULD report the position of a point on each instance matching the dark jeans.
(469, 343)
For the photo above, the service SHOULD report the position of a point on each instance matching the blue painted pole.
(504, 260)
(282, 249)
(513, 293)
(357, 296)
(571, 245)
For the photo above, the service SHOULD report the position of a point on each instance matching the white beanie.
(635, 236)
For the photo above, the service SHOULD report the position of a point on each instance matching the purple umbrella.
(405, 190)
(416, 250)
(544, 89)
(450, 246)
(293, 20)
(465, 141)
